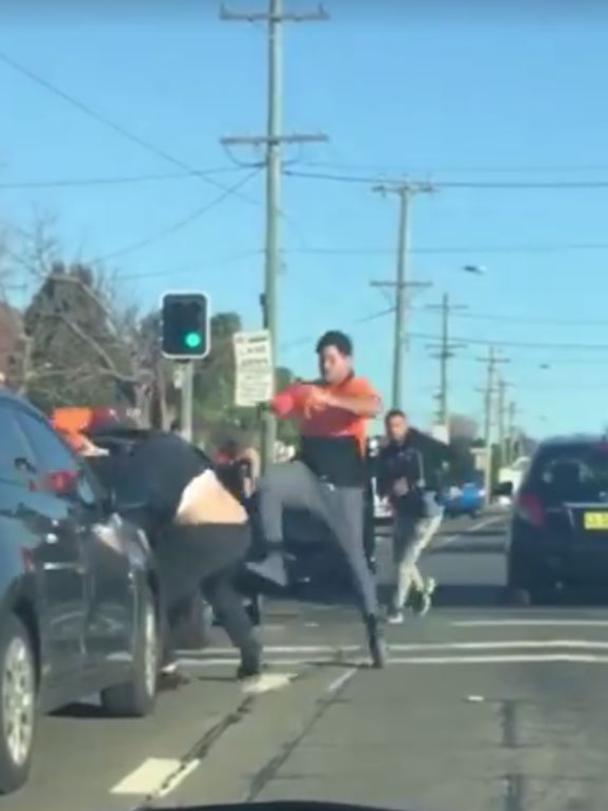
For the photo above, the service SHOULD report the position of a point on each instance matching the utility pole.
(491, 362)
(273, 142)
(404, 191)
(445, 353)
(501, 407)
(511, 429)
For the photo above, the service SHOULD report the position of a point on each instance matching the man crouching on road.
(329, 475)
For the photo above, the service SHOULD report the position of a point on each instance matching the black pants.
(207, 557)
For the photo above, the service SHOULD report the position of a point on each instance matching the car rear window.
(572, 471)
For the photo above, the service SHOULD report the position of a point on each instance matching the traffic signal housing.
(185, 326)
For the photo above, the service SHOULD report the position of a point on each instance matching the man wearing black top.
(417, 513)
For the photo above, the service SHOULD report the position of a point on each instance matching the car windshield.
(303, 425)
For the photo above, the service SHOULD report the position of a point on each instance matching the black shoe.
(271, 569)
(251, 662)
(376, 642)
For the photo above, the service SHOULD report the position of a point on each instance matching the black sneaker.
(271, 569)
(251, 662)
(376, 642)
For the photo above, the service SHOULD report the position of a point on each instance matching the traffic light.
(185, 326)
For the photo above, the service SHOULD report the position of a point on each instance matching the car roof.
(573, 439)
(12, 398)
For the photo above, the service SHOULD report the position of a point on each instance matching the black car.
(559, 528)
(78, 594)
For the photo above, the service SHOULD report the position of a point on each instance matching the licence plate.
(596, 520)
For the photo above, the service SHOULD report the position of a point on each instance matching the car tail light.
(60, 482)
(529, 508)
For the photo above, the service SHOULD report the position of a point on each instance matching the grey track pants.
(292, 485)
(410, 538)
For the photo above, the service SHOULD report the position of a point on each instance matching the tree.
(76, 352)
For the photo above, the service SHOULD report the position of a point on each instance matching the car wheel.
(136, 697)
(17, 704)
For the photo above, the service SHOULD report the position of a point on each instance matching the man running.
(417, 513)
(328, 477)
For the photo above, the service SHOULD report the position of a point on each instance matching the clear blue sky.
(462, 91)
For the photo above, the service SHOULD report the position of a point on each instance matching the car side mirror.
(504, 489)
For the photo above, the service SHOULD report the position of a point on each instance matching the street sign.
(254, 368)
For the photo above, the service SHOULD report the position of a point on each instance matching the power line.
(61, 183)
(176, 226)
(228, 260)
(518, 344)
(457, 249)
(460, 184)
(119, 129)
(514, 319)
(385, 168)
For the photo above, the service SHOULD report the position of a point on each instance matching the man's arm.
(364, 405)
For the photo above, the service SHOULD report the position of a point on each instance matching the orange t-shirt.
(329, 422)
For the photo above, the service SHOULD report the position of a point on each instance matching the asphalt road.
(485, 707)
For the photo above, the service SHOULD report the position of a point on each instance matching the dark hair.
(340, 340)
(394, 412)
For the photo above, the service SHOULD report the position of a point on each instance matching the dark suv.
(559, 529)
(78, 594)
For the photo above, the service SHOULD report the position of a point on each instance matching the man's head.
(335, 351)
(396, 425)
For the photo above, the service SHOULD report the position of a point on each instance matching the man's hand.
(400, 488)
(318, 399)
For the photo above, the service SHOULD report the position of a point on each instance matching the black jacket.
(419, 460)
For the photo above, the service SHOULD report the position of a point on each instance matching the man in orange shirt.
(329, 475)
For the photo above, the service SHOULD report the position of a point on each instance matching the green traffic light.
(193, 340)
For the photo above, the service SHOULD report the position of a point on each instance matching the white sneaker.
(395, 617)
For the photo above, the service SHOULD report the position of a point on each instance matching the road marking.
(585, 658)
(175, 780)
(486, 522)
(267, 682)
(528, 622)
(341, 681)
(151, 776)
(227, 654)
(284, 649)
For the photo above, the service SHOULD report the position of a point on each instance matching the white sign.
(254, 368)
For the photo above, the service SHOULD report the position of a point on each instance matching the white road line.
(227, 654)
(341, 681)
(486, 522)
(151, 776)
(267, 682)
(589, 658)
(284, 649)
(178, 778)
(585, 658)
(528, 623)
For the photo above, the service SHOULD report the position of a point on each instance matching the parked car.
(559, 526)
(78, 592)
(467, 499)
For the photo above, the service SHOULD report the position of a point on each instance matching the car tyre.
(17, 704)
(136, 697)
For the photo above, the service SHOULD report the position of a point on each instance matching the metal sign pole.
(187, 399)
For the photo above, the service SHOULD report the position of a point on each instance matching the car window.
(50, 452)
(580, 472)
(12, 445)
(52, 455)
